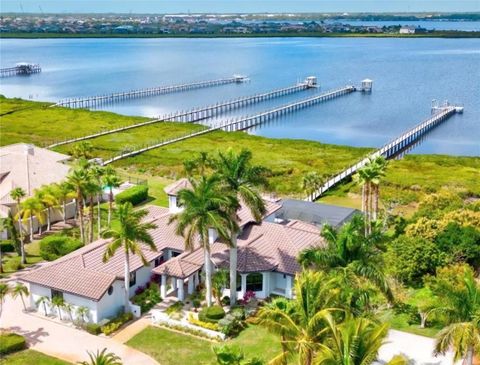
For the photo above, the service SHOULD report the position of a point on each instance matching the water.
(407, 74)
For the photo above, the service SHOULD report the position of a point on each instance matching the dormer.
(172, 192)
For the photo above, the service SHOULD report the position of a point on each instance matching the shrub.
(238, 313)
(53, 247)
(134, 195)
(93, 328)
(211, 314)
(226, 300)
(196, 304)
(174, 308)
(207, 325)
(110, 328)
(7, 246)
(146, 298)
(11, 342)
(230, 325)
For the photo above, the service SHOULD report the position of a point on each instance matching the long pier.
(93, 101)
(240, 123)
(197, 114)
(20, 69)
(392, 148)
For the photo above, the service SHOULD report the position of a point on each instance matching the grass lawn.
(11, 261)
(400, 322)
(31, 357)
(171, 348)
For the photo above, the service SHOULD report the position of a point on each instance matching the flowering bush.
(139, 290)
(146, 298)
(247, 297)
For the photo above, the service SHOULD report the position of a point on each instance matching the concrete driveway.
(62, 341)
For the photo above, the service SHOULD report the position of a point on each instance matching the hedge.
(53, 247)
(93, 328)
(7, 246)
(134, 195)
(11, 342)
(211, 314)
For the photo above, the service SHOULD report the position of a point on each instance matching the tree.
(97, 172)
(83, 150)
(82, 313)
(459, 293)
(350, 251)
(77, 180)
(219, 281)
(43, 301)
(102, 358)
(67, 307)
(20, 290)
(18, 194)
(364, 178)
(231, 355)
(111, 180)
(58, 303)
(241, 178)
(31, 207)
(63, 192)
(302, 326)
(130, 236)
(92, 190)
(46, 196)
(379, 167)
(311, 182)
(4, 291)
(460, 243)
(355, 341)
(206, 207)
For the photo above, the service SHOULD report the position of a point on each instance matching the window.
(255, 282)
(110, 290)
(239, 282)
(55, 293)
(175, 253)
(133, 278)
(159, 261)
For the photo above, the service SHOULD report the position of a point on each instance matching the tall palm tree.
(102, 358)
(243, 179)
(46, 195)
(63, 193)
(206, 206)
(462, 309)
(364, 178)
(92, 189)
(379, 165)
(111, 180)
(43, 301)
(20, 290)
(4, 291)
(130, 236)
(78, 181)
(350, 251)
(18, 194)
(58, 303)
(301, 324)
(355, 341)
(311, 182)
(97, 172)
(31, 207)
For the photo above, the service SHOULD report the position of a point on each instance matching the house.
(266, 263)
(407, 30)
(28, 167)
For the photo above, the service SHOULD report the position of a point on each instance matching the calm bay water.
(407, 74)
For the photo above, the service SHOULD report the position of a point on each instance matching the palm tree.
(206, 206)
(301, 323)
(364, 178)
(58, 303)
(311, 182)
(18, 194)
(97, 172)
(379, 168)
(219, 281)
(4, 291)
(111, 180)
(83, 150)
(4, 223)
(356, 341)
(241, 178)
(82, 313)
(92, 190)
(67, 307)
(31, 207)
(46, 195)
(77, 180)
(63, 193)
(43, 301)
(102, 358)
(130, 236)
(349, 251)
(20, 290)
(462, 309)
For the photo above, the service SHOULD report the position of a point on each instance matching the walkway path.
(64, 342)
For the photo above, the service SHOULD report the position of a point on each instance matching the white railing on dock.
(390, 149)
(239, 123)
(20, 69)
(196, 114)
(93, 101)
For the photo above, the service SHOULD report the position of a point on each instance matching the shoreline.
(436, 34)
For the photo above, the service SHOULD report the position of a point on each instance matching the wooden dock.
(94, 101)
(392, 148)
(20, 69)
(239, 123)
(197, 114)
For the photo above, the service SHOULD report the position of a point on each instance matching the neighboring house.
(29, 167)
(407, 30)
(267, 258)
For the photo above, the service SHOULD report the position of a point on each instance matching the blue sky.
(245, 6)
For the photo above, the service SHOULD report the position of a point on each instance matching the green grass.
(30, 357)
(171, 348)
(11, 261)
(400, 322)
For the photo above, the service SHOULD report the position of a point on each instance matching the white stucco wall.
(143, 277)
(109, 305)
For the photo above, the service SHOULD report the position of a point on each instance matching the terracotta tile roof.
(178, 268)
(245, 216)
(178, 185)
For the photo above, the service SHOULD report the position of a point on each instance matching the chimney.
(212, 235)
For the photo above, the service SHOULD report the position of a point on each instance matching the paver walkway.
(64, 342)
(135, 328)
